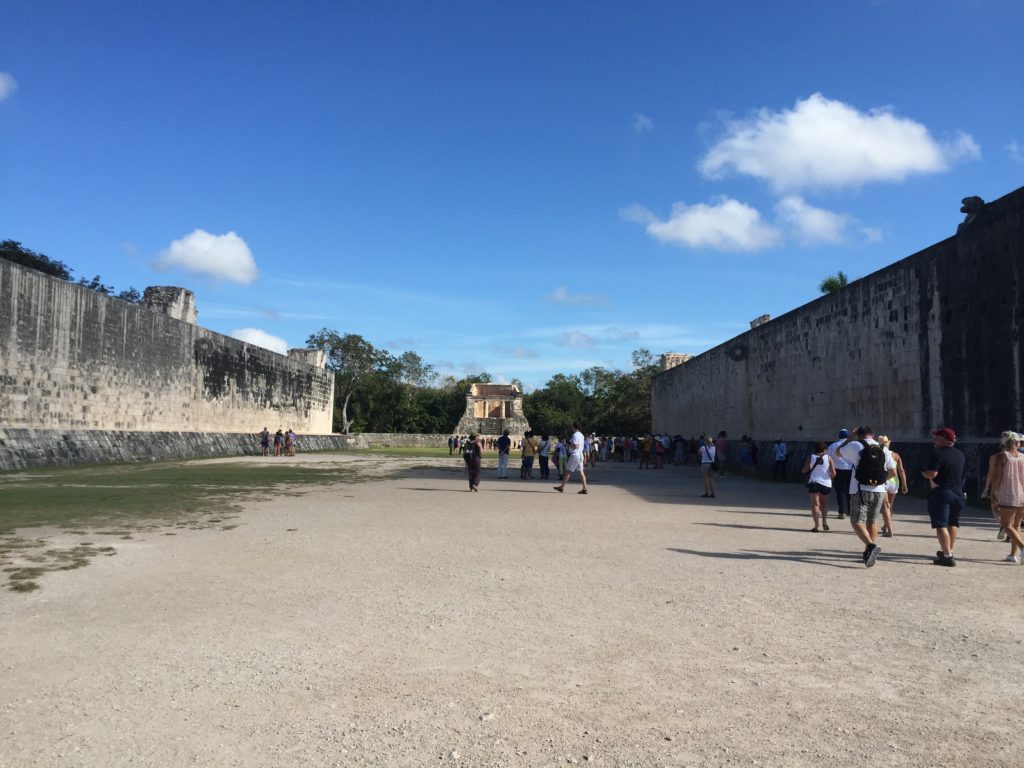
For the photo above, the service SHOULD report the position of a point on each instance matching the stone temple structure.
(492, 408)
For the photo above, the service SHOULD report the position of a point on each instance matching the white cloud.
(261, 339)
(1014, 150)
(575, 339)
(616, 334)
(826, 143)
(8, 85)
(642, 124)
(562, 295)
(225, 257)
(810, 225)
(872, 234)
(725, 224)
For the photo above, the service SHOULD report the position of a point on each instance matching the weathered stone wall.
(28, 448)
(934, 339)
(71, 358)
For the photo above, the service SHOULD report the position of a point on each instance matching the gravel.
(403, 621)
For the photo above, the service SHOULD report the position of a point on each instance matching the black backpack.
(468, 451)
(871, 467)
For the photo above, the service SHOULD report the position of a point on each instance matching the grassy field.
(123, 500)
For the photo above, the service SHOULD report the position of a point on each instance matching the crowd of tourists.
(284, 442)
(862, 470)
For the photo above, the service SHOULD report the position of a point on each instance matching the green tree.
(353, 360)
(131, 295)
(413, 371)
(96, 284)
(552, 408)
(12, 250)
(834, 282)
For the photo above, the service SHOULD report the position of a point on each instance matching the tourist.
(867, 488)
(844, 473)
(574, 463)
(451, 444)
(595, 449)
(543, 453)
(986, 492)
(265, 442)
(945, 474)
(659, 453)
(645, 452)
(746, 457)
(721, 452)
(561, 454)
(821, 472)
(781, 453)
(694, 448)
(1007, 489)
(893, 485)
(708, 456)
(290, 441)
(504, 448)
(529, 450)
(471, 454)
(278, 442)
(679, 455)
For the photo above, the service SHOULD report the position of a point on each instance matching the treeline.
(376, 391)
(608, 402)
(12, 250)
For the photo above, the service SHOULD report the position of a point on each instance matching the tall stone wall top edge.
(1001, 206)
(87, 294)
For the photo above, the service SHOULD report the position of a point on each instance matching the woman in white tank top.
(893, 485)
(819, 483)
(1007, 485)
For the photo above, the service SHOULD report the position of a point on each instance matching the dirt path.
(407, 622)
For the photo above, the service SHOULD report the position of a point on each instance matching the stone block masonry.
(32, 448)
(935, 339)
(74, 359)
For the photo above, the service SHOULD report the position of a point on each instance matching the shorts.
(527, 462)
(944, 508)
(866, 506)
(705, 468)
(819, 488)
(574, 463)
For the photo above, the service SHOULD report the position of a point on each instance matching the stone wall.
(30, 448)
(934, 339)
(71, 358)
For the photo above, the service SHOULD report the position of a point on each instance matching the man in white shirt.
(575, 461)
(844, 471)
(867, 487)
(781, 452)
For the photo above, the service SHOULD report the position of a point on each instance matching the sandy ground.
(407, 622)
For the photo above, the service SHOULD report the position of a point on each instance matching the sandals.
(559, 488)
(583, 492)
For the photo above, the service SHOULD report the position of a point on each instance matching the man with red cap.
(945, 473)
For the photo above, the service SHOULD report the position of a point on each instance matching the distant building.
(491, 408)
(672, 359)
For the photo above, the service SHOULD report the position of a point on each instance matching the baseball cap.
(945, 433)
(844, 433)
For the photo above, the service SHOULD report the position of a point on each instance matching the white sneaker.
(1001, 536)
(1013, 559)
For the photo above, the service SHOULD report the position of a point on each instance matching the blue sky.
(526, 188)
